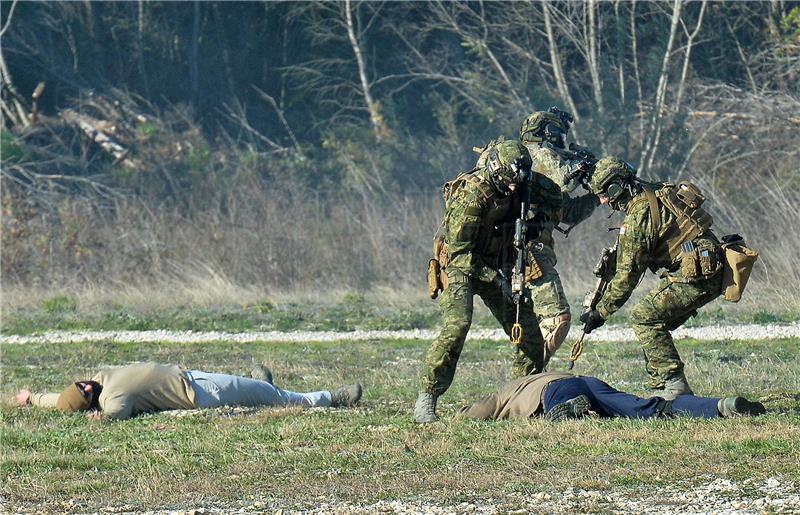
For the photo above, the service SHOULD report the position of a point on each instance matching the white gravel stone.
(604, 334)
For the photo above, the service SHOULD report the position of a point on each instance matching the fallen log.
(94, 129)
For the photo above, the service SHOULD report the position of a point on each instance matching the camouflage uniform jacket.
(477, 218)
(548, 198)
(641, 245)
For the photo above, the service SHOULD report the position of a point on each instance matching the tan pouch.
(434, 280)
(689, 265)
(736, 269)
(690, 195)
(534, 270)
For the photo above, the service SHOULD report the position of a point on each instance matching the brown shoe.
(262, 373)
(346, 396)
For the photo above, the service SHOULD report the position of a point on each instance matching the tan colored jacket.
(44, 400)
(134, 389)
(518, 399)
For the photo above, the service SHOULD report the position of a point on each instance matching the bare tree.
(344, 83)
(11, 102)
(653, 134)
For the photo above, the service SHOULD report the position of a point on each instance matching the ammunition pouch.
(699, 261)
(434, 281)
(691, 220)
(738, 261)
(533, 270)
(437, 278)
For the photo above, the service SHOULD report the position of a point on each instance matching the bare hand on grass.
(23, 397)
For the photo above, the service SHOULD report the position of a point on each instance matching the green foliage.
(790, 24)
(11, 149)
(60, 304)
(773, 317)
(354, 299)
(353, 312)
(264, 306)
(148, 129)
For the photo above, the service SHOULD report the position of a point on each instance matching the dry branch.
(94, 129)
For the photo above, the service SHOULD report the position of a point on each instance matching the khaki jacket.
(518, 399)
(134, 389)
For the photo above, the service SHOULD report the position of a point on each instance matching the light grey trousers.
(214, 390)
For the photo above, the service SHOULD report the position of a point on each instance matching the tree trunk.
(378, 124)
(656, 120)
(194, 65)
(687, 56)
(558, 72)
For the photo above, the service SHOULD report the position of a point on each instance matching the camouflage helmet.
(551, 125)
(510, 162)
(608, 171)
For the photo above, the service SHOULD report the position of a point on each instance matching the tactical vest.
(493, 239)
(493, 236)
(691, 221)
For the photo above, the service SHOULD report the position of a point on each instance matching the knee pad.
(554, 332)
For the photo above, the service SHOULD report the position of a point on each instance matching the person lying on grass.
(126, 391)
(561, 395)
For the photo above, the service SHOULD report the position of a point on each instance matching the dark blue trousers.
(609, 402)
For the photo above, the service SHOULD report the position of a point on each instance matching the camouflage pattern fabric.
(532, 128)
(476, 251)
(673, 301)
(471, 211)
(665, 308)
(549, 197)
(547, 293)
(457, 308)
(607, 170)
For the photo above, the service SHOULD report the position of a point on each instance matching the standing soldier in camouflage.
(544, 133)
(480, 208)
(664, 227)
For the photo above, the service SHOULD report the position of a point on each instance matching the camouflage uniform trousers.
(550, 306)
(457, 307)
(665, 308)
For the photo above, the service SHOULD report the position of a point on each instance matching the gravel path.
(605, 334)
(709, 496)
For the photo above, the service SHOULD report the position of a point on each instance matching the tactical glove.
(591, 320)
(504, 286)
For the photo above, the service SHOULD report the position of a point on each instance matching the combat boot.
(425, 408)
(739, 407)
(674, 386)
(261, 373)
(346, 396)
(577, 407)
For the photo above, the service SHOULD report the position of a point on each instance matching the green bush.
(11, 151)
(60, 304)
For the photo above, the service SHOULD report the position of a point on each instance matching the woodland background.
(301, 146)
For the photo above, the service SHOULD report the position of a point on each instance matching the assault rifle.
(604, 271)
(584, 162)
(520, 248)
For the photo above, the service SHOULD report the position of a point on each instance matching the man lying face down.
(561, 395)
(130, 390)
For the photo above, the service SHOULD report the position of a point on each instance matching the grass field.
(29, 311)
(288, 458)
